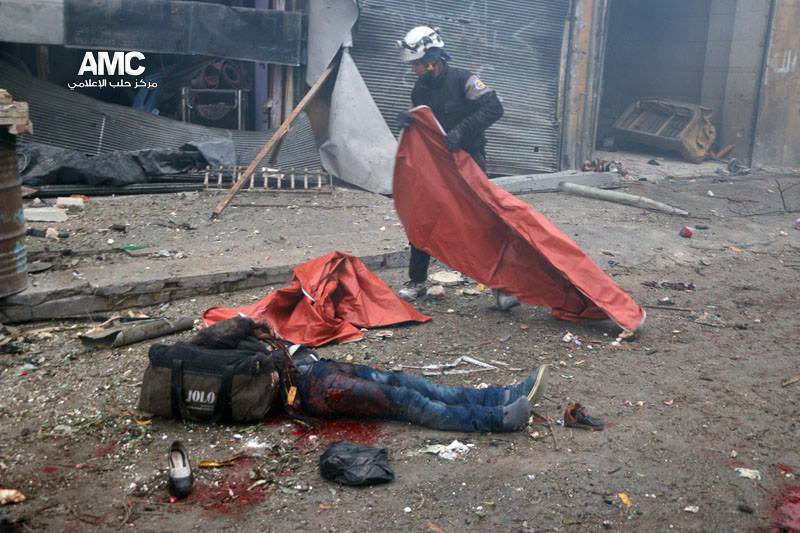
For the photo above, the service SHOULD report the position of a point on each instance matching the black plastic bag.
(352, 464)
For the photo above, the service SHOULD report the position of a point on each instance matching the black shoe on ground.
(180, 471)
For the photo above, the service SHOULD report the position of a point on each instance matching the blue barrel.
(13, 256)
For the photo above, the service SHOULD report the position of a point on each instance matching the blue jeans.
(331, 389)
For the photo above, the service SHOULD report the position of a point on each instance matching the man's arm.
(487, 109)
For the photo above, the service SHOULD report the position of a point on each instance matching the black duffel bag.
(199, 384)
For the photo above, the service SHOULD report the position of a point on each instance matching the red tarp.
(329, 299)
(453, 212)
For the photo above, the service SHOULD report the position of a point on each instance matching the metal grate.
(515, 47)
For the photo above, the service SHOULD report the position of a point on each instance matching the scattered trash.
(710, 194)
(49, 233)
(355, 465)
(571, 338)
(675, 286)
(450, 368)
(654, 162)
(122, 228)
(797, 224)
(45, 214)
(748, 473)
(119, 331)
(791, 381)
(734, 454)
(745, 508)
(384, 334)
(575, 416)
(136, 251)
(686, 232)
(406, 509)
(446, 278)
(737, 169)
(624, 498)
(691, 509)
(11, 496)
(668, 403)
(535, 435)
(451, 452)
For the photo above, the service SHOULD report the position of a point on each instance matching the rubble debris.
(669, 125)
(791, 381)
(352, 464)
(49, 233)
(449, 368)
(45, 214)
(673, 285)
(70, 202)
(535, 183)
(11, 496)
(737, 169)
(446, 278)
(619, 198)
(436, 292)
(749, 473)
(117, 332)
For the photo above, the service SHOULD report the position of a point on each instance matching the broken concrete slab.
(57, 298)
(45, 214)
(528, 183)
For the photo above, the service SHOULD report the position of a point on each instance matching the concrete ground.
(699, 395)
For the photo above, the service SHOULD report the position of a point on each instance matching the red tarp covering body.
(453, 212)
(329, 299)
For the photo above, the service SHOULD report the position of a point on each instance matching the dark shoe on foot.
(575, 416)
(516, 415)
(180, 471)
(532, 388)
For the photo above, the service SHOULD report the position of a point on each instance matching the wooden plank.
(277, 136)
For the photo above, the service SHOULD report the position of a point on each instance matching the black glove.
(453, 140)
(404, 119)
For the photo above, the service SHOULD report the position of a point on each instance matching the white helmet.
(418, 41)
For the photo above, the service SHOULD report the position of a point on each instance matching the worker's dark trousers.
(331, 389)
(419, 262)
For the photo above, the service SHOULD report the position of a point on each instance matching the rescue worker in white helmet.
(464, 106)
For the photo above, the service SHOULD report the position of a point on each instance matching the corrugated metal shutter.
(71, 120)
(514, 46)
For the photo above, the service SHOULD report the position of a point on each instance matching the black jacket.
(462, 103)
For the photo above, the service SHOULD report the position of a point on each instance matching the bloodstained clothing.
(329, 389)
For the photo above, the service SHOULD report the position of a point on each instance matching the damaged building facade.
(566, 72)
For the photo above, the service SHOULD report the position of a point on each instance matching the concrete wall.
(32, 21)
(777, 143)
(737, 35)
